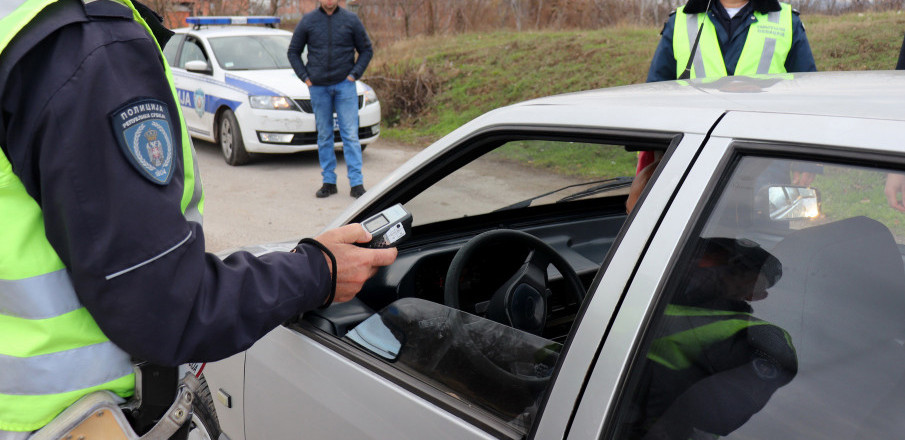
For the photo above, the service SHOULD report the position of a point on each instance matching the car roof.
(232, 30)
(864, 94)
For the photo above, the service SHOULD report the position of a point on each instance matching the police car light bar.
(224, 20)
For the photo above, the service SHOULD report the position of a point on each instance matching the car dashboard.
(420, 270)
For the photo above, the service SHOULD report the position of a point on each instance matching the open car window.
(526, 173)
(502, 370)
(491, 279)
(783, 318)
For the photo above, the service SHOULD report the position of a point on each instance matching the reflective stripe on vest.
(767, 45)
(52, 352)
(693, 330)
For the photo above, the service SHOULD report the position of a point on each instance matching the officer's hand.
(354, 264)
(895, 188)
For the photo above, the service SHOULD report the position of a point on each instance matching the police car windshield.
(251, 52)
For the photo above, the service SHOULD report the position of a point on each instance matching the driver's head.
(734, 269)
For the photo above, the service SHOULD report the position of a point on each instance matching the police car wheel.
(230, 138)
(204, 424)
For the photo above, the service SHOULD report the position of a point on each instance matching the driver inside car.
(712, 364)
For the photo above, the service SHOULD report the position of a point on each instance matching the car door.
(744, 321)
(301, 380)
(192, 86)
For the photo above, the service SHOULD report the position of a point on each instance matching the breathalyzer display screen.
(376, 223)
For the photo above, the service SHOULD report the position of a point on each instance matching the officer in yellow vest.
(739, 37)
(712, 364)
(102, 255)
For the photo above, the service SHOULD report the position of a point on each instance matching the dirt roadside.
(272, 198)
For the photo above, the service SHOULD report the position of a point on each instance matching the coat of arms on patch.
(199, 102)
(143, 130)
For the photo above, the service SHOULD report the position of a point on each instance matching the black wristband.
(323, 248)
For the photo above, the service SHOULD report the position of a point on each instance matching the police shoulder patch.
(143, 129)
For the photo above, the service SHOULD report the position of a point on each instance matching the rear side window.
(784, 318)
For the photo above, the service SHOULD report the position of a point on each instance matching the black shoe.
(357, 191)
(327, 190)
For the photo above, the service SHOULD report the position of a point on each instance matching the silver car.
(757, 291)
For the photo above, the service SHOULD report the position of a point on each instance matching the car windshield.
(251, 52)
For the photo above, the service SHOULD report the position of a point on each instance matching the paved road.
(272, 198)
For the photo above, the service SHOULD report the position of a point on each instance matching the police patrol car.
(237, 89)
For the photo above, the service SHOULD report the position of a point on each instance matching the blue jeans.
(341, 99)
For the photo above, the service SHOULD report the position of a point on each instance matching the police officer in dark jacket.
(732, 34)
(92, 134)
(720, 49)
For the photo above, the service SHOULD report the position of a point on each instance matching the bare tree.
(516, 6)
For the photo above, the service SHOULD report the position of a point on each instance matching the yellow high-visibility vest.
(766, 47)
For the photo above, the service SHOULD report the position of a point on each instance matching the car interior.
(482, 295)
(463, 258)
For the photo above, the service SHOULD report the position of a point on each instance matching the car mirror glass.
(789, 202)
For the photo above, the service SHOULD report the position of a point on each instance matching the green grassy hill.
(430, 86)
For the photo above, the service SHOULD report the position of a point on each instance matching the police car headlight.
(370, 95)
(271, 102)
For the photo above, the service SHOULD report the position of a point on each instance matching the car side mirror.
(198, 66)
(789, 202)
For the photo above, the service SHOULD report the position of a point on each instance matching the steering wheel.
(521, 302)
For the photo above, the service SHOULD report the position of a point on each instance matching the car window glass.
(783, 318)
(251, 52)
(520, 173)
(191, 51)
(501, 370)
(169, 51)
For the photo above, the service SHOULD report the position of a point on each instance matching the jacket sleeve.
(364, 49)
(296, 46)
(663, 66)
(800, 58)
(136, 263)
(901, 64)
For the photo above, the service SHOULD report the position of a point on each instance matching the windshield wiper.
(611, 184)
(605, 184)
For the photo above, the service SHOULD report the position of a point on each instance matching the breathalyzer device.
(388, 227)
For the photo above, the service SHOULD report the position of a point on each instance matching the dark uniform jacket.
(900, 65)
(731, 35)
(332, 41)
(136, 263)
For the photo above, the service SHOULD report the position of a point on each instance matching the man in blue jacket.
(333, 35)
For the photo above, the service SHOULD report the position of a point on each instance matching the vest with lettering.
(766, 47)
(51, 351)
